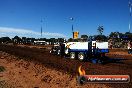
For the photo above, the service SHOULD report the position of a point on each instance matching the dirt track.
(116, 67)
(19, 73)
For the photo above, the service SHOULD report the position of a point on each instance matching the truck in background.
(91, 50)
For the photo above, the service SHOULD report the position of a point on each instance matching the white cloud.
(11, 32)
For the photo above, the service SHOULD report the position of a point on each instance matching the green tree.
(53, 40)
(17, 39)
(61, 40)
(101, 38)
(100, 30)
(113, 35)
(5, 39)
(84, 36)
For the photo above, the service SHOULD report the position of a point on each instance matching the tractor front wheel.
(72, 55)
(81, 56)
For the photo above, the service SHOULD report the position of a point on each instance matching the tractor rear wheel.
(72, 55)
(58, 52)
(81, 56)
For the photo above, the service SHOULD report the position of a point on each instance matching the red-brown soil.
(70, 67)
(27, 74)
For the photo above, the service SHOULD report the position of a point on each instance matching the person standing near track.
(129, 47)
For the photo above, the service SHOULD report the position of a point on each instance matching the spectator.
(129, 46)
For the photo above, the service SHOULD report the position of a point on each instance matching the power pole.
(41, 27)
(129, 5)
(72, 24)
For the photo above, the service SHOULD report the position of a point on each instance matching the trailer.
(92, 50)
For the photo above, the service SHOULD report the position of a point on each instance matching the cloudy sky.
(23, 17)
(11, 32)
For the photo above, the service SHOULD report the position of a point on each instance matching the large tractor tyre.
(58, 52)
(81, 56)
(72, 55)
(81, 80)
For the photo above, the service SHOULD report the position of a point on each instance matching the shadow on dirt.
(114, 60)
(104, 60)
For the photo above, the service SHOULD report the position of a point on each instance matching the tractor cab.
(55, 49)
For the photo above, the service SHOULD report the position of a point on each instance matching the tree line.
(113, 36)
